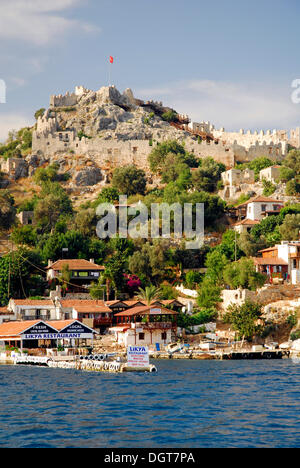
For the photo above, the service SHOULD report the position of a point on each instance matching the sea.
(186, 404)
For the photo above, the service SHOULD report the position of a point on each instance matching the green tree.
(269, 187)
(85, 222)
(149, 294)
(292, 161)
(158, 156)
(290, 228)
(129, 180)
(242, 274)
(286, 174)
(170, 116)
(209, 294)
(24, 235)
(249, 246)
(244, 319)
(7, 210)
(206, 177)
(149, 263)
(216, 262)
(19, 278)
(292, 188)
(107, 195)
(39, 113)
(65, 277)
(48, 174)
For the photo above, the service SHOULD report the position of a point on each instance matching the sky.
(228, 62)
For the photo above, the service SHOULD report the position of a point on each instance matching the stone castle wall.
(119, 152)
(64, 101)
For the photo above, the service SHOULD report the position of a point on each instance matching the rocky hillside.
(108, 114)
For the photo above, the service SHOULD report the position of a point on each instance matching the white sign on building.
(138, 356)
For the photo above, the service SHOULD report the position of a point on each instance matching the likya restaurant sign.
(138, 356)
(42, 331)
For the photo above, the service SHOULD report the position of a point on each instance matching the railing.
(102, 321)
(158, 325)
(33, 317)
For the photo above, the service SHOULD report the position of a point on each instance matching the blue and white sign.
(138, 356)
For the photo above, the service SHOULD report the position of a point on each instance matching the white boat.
(174, 348)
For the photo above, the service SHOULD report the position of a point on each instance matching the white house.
(282, 260)
(145, 326)
(259, 207)
(245, 225)
(27, 309)
(271, 173)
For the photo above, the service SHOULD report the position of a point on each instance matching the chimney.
(92, 260)
(50, 263)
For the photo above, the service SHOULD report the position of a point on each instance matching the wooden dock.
(253, 355)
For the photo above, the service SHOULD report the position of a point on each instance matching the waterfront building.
(28, 310)
(39, 334)
(146, 325)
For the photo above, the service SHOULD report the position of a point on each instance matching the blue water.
(186, 404)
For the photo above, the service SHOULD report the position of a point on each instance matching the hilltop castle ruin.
(117, 129)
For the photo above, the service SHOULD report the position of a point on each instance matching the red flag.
(111, 59)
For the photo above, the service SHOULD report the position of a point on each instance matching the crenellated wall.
(64, 100)
(248, 139)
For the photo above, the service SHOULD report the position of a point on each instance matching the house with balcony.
(145, 326)
(281, 262)
(257, 208)
(92, 313)
(28, 310)
(82, 273)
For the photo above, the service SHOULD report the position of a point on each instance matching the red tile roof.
(75, 264)
(12, 329)
(70, 303)
(272, 261)
(260, 199)
(31, 302)
(5, 311)
(247, 222)
(144, 310)
(92, 309)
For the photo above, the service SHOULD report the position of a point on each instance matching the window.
(263, 207)
(142, 336)
(164, 336)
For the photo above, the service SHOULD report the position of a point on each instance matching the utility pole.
(235, 253)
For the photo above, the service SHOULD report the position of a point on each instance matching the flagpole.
(111, 61)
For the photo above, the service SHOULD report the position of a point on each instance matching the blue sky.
(231, 62)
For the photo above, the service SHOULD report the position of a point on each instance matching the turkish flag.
(111, 59)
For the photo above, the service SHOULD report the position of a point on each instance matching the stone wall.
(15, 168)
(249, 138)
(63, 101)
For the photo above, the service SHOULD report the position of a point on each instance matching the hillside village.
(91, 147)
